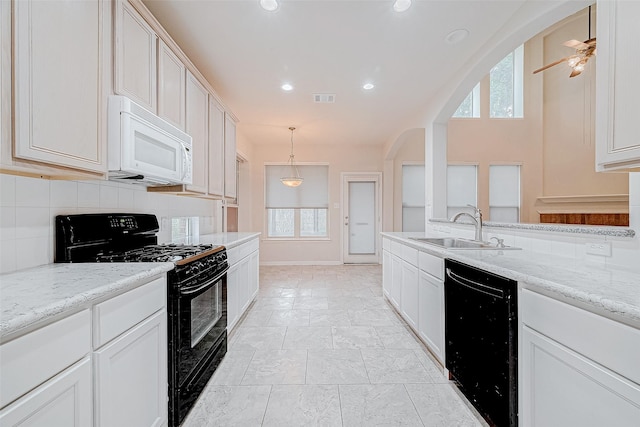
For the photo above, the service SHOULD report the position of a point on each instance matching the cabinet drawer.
(233, 255)
(410, 255)
(30, 360)
(396, 248)
(114, 316)
(432, 264)
(610, 343)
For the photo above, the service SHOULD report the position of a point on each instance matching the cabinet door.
(229, 158)
(617, 86)
(64, 400)
(198, 128)
(135, 56)
(386, 273)
(431, 314)
(216, 148)
(243, 285)
(560, 387)
(131, 377)
(254, 275)
(62, 68)
(409, 295)
(171, 86)
(233, 310)
(396, 281)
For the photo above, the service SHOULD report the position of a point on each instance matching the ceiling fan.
(578, 61)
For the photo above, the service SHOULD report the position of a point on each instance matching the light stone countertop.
(596, 230)
(41, 294)
(228, 240)
(614, 292)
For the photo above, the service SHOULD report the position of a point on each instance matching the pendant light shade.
(292, 176)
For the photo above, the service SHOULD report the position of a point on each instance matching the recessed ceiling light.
(456, 36)
(368, 86)
(401, 5)
(269, 5)
(287, 87)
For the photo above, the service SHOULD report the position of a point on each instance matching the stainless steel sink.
(454, 243)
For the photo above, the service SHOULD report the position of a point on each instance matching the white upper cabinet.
(198, 128)
(617, 86)
(171, 86)
(135, 56)
(216, 148)
(229, 157)
(62, 54)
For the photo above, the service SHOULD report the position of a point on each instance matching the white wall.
(28, 207)
(351, 158)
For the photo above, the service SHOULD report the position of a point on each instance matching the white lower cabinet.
(431, 313)
(64, 400)
(409, 294)
(395, 291)
(387, 276)
(51, 376)
(242, 280)
(413, 281)
(576, 368)
(131, 376)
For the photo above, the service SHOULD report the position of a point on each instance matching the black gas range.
(196, 292)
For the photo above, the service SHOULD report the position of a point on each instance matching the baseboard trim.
(275, 263)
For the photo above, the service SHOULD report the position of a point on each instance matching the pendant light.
(292, 178)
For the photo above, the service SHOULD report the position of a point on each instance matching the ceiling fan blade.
(575, 44)
(551, 65)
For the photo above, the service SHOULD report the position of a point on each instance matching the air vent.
(324, 98)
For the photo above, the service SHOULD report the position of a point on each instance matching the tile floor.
(321, 347)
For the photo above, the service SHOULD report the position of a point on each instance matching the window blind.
(312, 194)
(413, 185)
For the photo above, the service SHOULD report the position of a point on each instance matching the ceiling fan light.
(573, 62)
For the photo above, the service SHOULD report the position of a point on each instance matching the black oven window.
(206, 310)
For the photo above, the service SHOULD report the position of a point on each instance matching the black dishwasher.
(481, 340)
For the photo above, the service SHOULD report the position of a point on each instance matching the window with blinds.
(413, 199)
(462, 189)
(504, 193)
(299, 212)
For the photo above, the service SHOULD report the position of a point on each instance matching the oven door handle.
(475, 286)
(195, 289)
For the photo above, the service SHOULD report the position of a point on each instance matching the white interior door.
(361, 217)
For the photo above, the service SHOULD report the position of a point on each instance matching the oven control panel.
(123, 223)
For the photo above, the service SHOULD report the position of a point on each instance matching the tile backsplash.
(28, 207)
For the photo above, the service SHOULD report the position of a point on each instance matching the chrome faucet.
(477, 220)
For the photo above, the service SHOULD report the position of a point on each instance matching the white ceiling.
(328, 46)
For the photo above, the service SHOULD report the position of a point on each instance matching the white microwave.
(144, 148)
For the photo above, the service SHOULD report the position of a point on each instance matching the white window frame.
(409, 206)
(475, 104)
(519, 206)
(462, 208)
(518, 85)
(296, 214)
